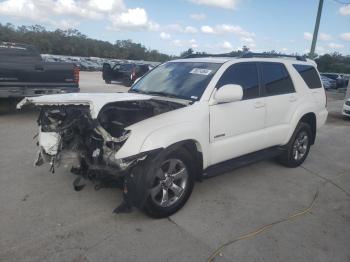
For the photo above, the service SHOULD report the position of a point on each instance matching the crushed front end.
(70, 137)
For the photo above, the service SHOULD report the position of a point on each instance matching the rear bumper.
(35, 91)
(321, 118)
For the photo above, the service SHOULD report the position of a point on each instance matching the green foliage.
(335, 62)
(72, 42)
(187, 53)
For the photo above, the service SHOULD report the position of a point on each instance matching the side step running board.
(229, 165)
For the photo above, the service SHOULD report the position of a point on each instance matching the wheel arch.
(306, 115)
(310, 119)
(195, 150)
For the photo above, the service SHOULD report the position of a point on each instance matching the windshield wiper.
(137, 91)
(162, 94)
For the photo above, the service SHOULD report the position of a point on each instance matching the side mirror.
(228, 93)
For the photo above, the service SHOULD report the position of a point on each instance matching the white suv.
(183, 121)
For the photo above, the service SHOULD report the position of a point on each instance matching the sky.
(213, 26)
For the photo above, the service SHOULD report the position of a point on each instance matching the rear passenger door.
(236, 128)
(281, 100)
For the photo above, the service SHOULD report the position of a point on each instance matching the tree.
(187, 53)
(72, 42)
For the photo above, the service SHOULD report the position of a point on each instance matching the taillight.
(76, 75)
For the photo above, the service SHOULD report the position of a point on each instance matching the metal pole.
(317, 25)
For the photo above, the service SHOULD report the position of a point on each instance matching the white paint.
(221, 130)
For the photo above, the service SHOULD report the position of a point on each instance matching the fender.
(172, 134)
(302, 110)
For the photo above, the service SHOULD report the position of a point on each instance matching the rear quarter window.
(310, 75)
(276, 79)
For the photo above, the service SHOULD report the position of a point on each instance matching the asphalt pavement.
(262, 212)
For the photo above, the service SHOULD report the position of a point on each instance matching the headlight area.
(68, 136)
(128, 162)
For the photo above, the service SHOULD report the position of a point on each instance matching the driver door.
(237, 128)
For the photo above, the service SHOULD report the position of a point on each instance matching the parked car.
(24, 73)
(346, 108)
(184, 121)
(328, 83)
(340, 80)
(126, 73)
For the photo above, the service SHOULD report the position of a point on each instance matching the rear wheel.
(171, 186)
(298, 147)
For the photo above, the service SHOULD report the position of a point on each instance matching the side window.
(244, 74)
(309, 74)
(276, 79)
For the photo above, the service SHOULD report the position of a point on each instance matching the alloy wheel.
(170, 183)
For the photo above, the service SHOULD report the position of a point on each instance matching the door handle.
(259, 104)
(293, 98)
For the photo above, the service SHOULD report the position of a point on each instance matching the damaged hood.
(94, 100)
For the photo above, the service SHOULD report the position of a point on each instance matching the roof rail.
(247, 55)
(271, 55)
(210, 55)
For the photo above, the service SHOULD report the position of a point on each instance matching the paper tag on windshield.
(200, 71)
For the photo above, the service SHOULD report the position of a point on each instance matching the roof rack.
(271, 55)
(247, 55)
(210, 55)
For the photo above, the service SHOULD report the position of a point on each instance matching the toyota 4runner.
(185, 120)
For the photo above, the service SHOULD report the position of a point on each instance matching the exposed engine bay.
(69, 136)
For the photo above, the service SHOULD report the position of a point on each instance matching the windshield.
(184, 80)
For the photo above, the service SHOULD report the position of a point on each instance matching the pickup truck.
(23, 73)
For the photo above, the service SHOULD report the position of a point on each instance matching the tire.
(155, 206)
(108, 81)
(298, 146)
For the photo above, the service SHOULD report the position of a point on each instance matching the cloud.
(345, 36)
(174, 28)
(335, 46)
(65, 24)
(307, 36)
(248, 41)
(22, 9)
(227, 29)
(225, 45)
(164, 36)
(44, 10)
(344, 10)
(186, 43)
(53, 12)
(131, 19)
(190, 30)
(325, 37)
(206, 29)
(226, 4)
(178, 28)
(198, 17)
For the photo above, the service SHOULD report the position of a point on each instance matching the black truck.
(24, 73)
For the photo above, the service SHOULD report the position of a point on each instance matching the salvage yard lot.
(43, 219)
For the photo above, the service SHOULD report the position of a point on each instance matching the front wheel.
(172, 185)
(298, 147)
